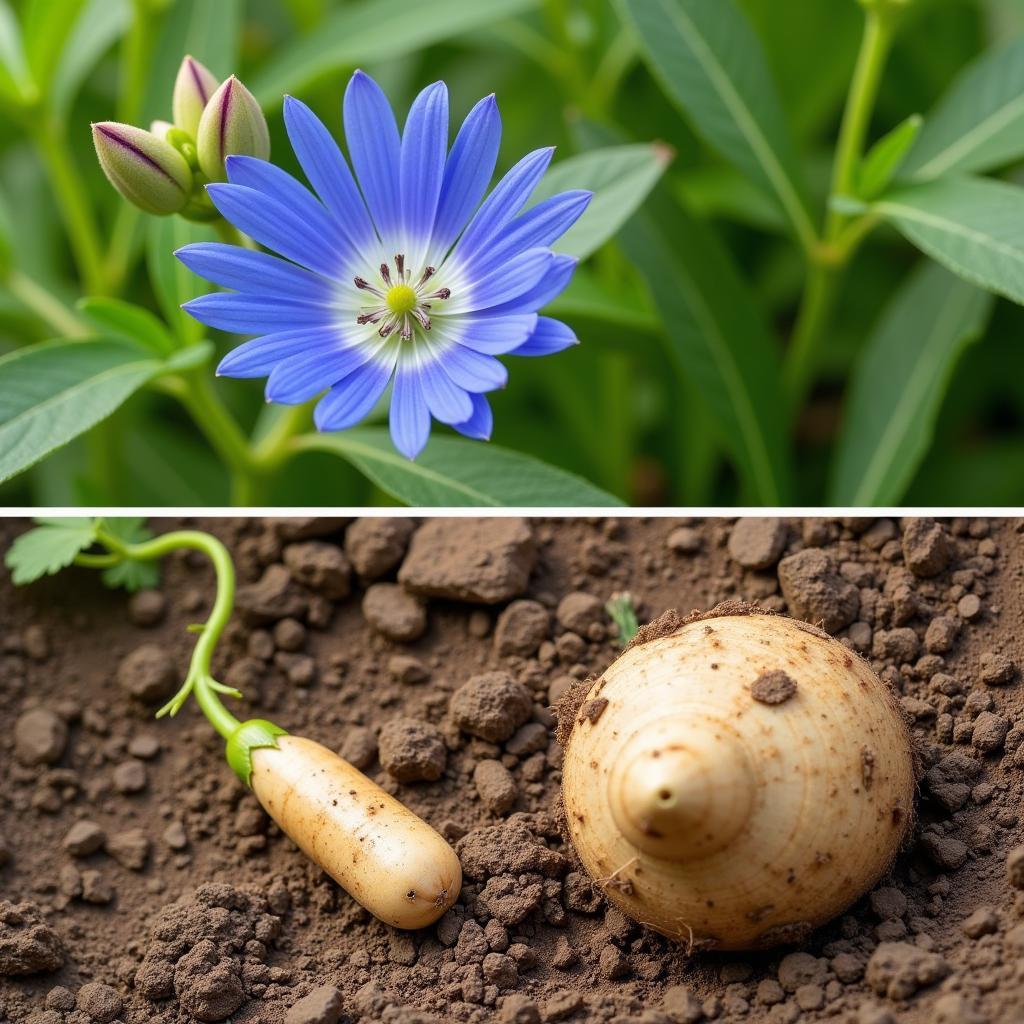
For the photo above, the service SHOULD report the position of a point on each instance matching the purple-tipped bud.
(160, 128)
(232, 124)
(193, 89)
(147, 171)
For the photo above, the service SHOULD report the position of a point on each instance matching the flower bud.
(193, 88)
(232, 124)
(146, 170)
(160, 128)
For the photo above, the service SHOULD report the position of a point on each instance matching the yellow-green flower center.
(401, 299)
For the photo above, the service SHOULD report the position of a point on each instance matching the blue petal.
(504, 283)
(492, 335)
(277, 226)
(507, 199)
(551, 285)
(258, 357)
(446, 401)
(467, 173)
(244, 270)
(473, 371)
(550, 336)
(375, 148)
(352, 399)
(300, 377)
(265, 177)
(328, 172)
(541, 225)
(410, 417)
(424, 144)
(481, 423)
(249, 314)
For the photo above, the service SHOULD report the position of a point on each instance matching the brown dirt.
(152, 873)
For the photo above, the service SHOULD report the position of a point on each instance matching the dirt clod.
(411, 750)
(815, 592)
(323, 1005)
(521, 628)
(758, 542)
(773, 687)
(40, 736)
(491, 706)
(28, 945)
(394, 613)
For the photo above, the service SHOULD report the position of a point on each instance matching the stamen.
(441, 293)
(371, 318)
(400, 266)
(406, 329)
(427, 275)
(386, 274)
(365, 286)
(421, 318)
(387, 328)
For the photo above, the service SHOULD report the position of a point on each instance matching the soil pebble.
(321, 567)
(83, 838)
(101, 1002)
(496, 786)
(758, 542)
(28, 945)
(815, 592)
(898, 969)
(411, 750)
(147, 608)
(491, 706)
(521, 628)
(40, 737)
(129, 848)
(481, 561)
(580, 612)
(321, 1006)
(773, 687)
(359, 747)
(148, 674)
(394, 612)
(274, 596)
(925, 547)
(376, 544)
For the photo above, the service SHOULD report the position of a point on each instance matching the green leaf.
(16, 83)
(883, 160)
(620, 177)
(46, 25)
(973, 226)
(626, 305)
(130, 574)
(126, 320)
(710, 63)
(172, 281)
(48, 548)
(52, 392)
(978, 124)
(899, 383)
(253, 735)
(715, 337)
(98, 27)
(453, 471)
(369, 31)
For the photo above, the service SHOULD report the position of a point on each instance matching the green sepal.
(250, 736)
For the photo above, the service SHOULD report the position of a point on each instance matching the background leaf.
(48, 548)
(900, 382)
(121, 319)
(130, 574)
(452, 471)
(711, 64)
(973, 226)
(52, 392)
(371, 30)
(620, 177)
(979, 124)
(172, 281)
(883, 160)
(715, 336)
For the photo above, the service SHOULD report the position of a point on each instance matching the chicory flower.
(398, 274)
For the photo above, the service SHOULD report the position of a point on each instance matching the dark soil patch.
(144, 884)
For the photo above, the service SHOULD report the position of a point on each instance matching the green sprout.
(622, 612)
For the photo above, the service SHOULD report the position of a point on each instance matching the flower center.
(401, 299)
(401, 304)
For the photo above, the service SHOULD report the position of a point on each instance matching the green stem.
(867, 75)
(135, 62)
(200, 679)
(73, 202)
(45, 305)
(841, 237)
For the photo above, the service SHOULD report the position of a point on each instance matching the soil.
(140, 881)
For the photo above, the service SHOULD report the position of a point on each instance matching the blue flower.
(396, 274)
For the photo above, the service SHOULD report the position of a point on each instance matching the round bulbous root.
(736, 778)
(388, 859)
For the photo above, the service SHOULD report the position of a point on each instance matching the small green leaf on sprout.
(623, 613)
(130, 574)
(51, 546)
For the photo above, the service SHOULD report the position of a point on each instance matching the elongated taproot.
(382, 854)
